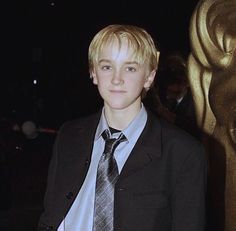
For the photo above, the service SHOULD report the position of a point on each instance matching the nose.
(117, 78)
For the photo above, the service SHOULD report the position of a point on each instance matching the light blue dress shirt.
(80, 215)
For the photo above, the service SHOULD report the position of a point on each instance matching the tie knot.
(106, 135)
(112, 143)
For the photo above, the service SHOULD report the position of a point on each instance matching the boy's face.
(120, 79)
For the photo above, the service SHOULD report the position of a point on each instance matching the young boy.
(157, 178)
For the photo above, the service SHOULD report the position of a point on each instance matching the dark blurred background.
(44, 79)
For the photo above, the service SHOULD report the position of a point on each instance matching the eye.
(131, 69)
(106, 67)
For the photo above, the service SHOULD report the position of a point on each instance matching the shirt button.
(49, 228)
(86, 162)
(69, 195)
(121, 189)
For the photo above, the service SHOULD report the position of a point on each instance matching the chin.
(116, 105)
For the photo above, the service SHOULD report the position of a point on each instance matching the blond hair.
(139, 39)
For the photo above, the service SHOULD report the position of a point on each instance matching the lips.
(117, 91)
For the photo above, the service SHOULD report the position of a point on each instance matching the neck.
(120, 119)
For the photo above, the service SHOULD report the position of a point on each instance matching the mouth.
(117, 91)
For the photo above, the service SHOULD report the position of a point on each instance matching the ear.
(94, 77)
(149, 80)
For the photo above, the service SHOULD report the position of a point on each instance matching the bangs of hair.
(138, 39)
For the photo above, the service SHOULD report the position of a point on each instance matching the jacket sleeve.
(44, 220)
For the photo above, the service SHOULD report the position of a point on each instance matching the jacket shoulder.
(81, 122)
(179, 139)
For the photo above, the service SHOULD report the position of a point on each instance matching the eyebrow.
(128, 62)
(132, 62)
(104, 60)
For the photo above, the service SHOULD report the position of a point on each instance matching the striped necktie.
(107, 175)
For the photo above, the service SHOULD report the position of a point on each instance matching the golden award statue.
(212, 76)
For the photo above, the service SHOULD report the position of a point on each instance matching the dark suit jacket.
(161, 186)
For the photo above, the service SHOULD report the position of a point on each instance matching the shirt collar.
(102, 125)
(139, 121)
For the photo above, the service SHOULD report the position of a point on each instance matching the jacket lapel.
(147, 148)
(81, 145)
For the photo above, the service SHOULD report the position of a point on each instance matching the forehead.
(121, 50)
(117, 48)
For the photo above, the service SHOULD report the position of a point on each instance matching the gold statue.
(212, 76)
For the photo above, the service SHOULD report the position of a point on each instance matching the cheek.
(102, 82)
(101, 85)
(137, 86)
